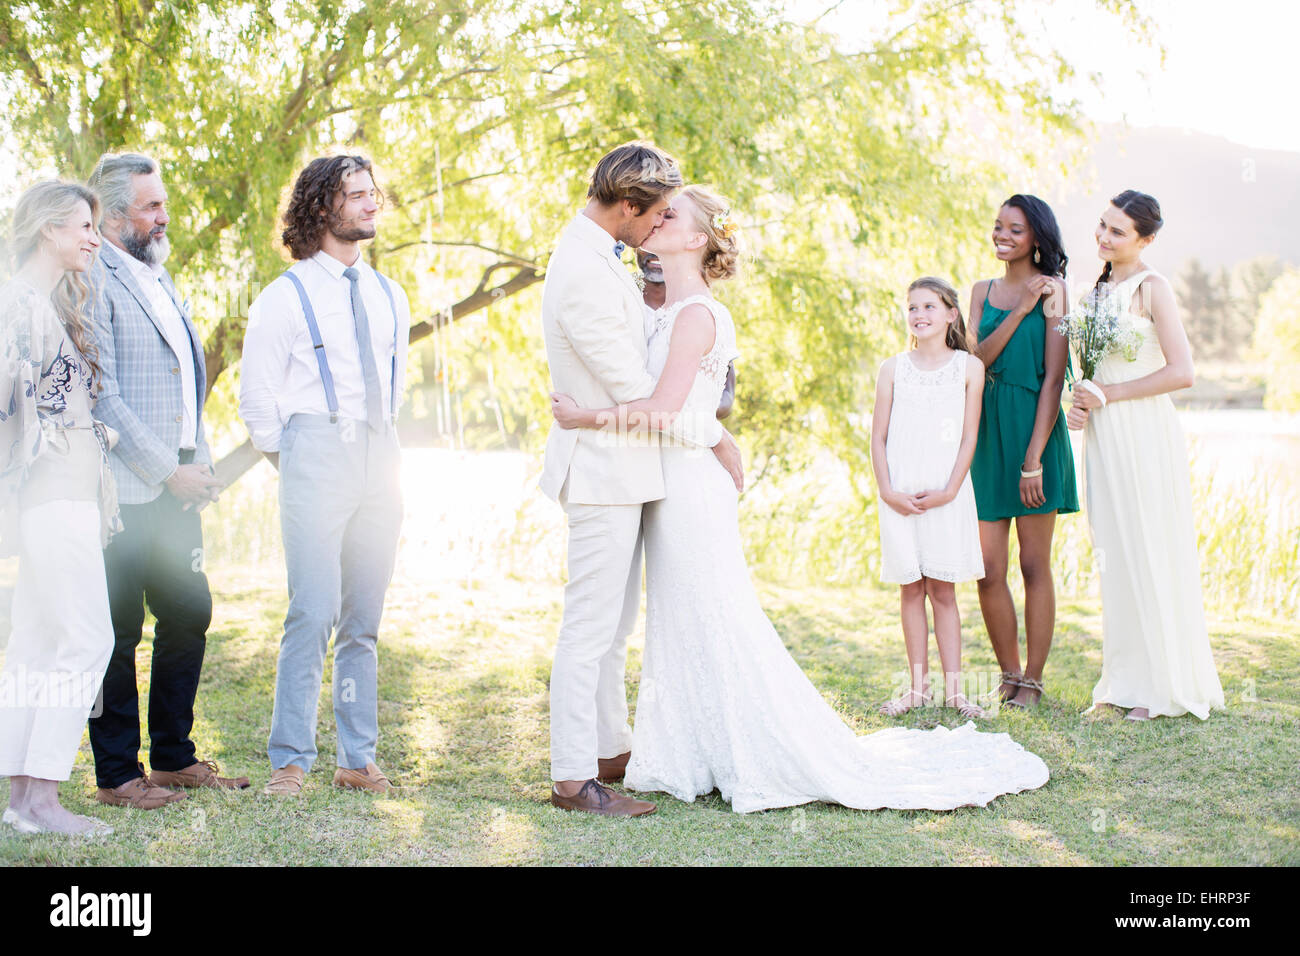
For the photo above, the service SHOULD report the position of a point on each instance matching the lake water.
(473, 514)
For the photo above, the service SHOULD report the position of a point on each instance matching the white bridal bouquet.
(1096, 328)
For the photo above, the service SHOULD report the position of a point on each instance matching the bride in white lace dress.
(722, 704)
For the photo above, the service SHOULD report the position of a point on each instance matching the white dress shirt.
(279, 375)
(150, 279)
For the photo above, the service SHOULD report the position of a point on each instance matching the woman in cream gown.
(1156, 655)
(722, 704)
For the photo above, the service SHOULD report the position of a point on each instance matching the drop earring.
(1038, 258)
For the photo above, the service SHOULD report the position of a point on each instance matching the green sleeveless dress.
(1011, 388)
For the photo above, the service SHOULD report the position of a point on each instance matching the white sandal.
(902, 704)
(966, 708)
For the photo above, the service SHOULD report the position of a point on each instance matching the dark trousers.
(158, 559)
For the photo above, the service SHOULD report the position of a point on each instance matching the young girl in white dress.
(922, 440)
(1156, 658)
(722, 704)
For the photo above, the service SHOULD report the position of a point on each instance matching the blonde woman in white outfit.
(57, 504)
(1156, 658)
(722, 704)
(593, 325)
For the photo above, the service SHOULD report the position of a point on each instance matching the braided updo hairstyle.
(722, 252)
(1145, 213)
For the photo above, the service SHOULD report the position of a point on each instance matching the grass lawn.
(463, 687)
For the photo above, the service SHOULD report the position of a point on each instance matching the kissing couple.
(722, 705)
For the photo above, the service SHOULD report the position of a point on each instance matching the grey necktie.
(374, 395)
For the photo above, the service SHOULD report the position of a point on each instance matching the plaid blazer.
(141, 394)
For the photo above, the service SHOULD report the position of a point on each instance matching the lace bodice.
(701, 406)
(928, 386)
(1117, 367)
(722, 704)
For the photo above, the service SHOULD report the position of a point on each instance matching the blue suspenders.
(331, 399)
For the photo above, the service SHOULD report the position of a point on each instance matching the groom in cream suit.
(593, 324)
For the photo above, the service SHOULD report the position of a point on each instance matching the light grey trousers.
(341, 516)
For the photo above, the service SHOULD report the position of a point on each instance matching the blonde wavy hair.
(638, 172)
(722, 252)
(51, 203)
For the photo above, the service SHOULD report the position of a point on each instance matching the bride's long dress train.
(723, 705)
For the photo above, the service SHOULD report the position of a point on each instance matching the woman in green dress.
(1023, 467)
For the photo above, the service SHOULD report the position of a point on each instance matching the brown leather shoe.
(201, 774)
(610, 769)
(371, 778)
(285, 782)
(138, 793)
(595, 798)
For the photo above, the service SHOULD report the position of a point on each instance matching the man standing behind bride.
(596, 349)
(722, 704)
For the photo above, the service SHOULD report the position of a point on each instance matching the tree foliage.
(1277, 342)
(1220, 309)
(853, 166)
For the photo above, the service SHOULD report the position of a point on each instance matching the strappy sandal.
(965, 708)
(901, 705)
(1031, 684)
(1006, 677)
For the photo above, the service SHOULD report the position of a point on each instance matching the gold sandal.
(1006, 677)
(1032, 684)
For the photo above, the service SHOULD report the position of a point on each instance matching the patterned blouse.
(50, 448)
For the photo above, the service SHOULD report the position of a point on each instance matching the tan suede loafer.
(612, 768)
(371, 778)
(201, 774)
(285, 782)
(598, 799)
(138, 794)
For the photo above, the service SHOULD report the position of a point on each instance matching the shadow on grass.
(464, 727)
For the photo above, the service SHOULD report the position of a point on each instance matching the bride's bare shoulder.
(696, 313)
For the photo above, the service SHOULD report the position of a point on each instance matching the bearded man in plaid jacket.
(153, 387)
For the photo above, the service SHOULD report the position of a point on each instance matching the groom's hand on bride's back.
(728, 453)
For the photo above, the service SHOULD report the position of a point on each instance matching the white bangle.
(1031, 474)
(1095, 389)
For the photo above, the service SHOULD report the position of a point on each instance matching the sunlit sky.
(1230, 69)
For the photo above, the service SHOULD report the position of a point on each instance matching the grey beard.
(656, 277)
(150, 251)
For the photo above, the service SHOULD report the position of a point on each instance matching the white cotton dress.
(925, 429)
(1155, 649)
(723, 705)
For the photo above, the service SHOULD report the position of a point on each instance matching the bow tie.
(618, 249)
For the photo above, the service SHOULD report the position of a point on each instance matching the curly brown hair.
(313, 199)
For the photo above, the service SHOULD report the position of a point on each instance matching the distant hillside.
(1222, 202)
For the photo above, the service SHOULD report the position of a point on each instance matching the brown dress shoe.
(595, 798)
(371, 778)
(138, 793)
(285, 782)
(202, 774)
(610, 769)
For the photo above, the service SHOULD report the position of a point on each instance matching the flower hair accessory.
(724, 224)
